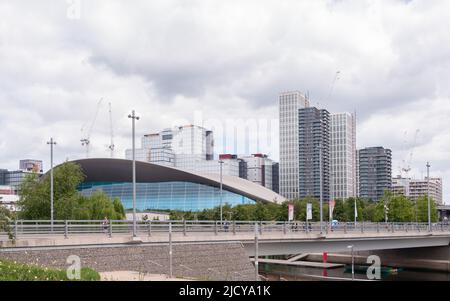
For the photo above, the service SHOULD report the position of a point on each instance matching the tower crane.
(336, 78)
(86, 140)
(404, 146)
(407, 162)
(111, 146)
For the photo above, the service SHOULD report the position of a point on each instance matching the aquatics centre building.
(165, 188)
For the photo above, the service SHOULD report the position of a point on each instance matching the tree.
(339, 211)
(399, 208)
(101, 206)
(422, 210)
(244, 212)
(262, 212)
(349, 209)
(369, 211)
(34, 202)
(6, 217)
(35, 192)
(118, 207)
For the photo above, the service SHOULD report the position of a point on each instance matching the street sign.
(291, 212)
(309, 215)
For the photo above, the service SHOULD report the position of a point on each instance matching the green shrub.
(13, 271)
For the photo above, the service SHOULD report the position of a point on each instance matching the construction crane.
(111, 146)
(336, 78)
(86, 140)
(407, 162)
(404, 146)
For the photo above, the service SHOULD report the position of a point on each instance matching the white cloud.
(167, 59)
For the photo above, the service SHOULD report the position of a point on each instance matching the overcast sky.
(226, 61)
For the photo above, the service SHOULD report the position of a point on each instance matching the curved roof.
(120, 170)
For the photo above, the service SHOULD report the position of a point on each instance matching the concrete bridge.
(274, 238)
(220, 251)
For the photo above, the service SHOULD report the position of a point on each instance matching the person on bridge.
(105, 224)
(226, 226)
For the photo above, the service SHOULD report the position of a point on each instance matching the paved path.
(136, 276)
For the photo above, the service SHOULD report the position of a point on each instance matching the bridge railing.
(66, 228)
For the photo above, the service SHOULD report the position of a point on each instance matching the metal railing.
(24, 228)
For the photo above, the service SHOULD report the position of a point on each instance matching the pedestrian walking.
(105, 224)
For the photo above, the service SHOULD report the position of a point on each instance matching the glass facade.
(184, 196)
(13, 178)
(314, 149)
(375, 172)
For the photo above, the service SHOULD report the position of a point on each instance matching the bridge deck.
(306, 264)
(206, 237)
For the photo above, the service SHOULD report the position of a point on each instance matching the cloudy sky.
(223, 62)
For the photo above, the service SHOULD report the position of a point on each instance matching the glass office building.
(184, 196)
(14, 178)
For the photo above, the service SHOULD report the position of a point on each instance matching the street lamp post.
(330, 215)
(51, 143)
(415, 209)
(321, 188)
(428, 196)
(221, 190)
(353, 262)
(386, 211)
(134, 118)
(256, 253)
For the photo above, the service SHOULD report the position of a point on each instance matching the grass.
(14, 271)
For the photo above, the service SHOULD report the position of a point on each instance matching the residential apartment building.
(375, 172)
(289, 105)
(414, 188)
(357, 174)
(276, 177)
(314, 153)
(260, 170)
(401, 186)
(343, 156)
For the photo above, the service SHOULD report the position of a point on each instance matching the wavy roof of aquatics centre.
(120, 171)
